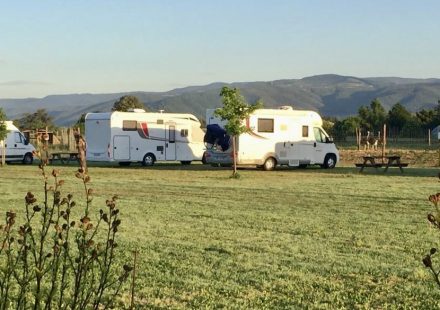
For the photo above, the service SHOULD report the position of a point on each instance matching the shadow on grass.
(197, 166)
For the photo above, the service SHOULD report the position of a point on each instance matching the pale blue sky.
(90, 46)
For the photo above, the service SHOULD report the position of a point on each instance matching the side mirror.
(328, 140)
(26, 142)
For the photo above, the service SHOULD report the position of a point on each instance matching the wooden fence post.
(429, 137)
(358, 138)
(384, 142)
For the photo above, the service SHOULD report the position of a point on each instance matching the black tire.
(148, 160)
(269, 164)
(28, 159)
(329, 162)
(124, 163)
(185, 162)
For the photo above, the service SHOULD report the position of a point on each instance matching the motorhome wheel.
(269, 164)
(28, 159)
(329, 161)
(148, 160)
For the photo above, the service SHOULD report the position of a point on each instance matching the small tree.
(374, 116)
(235, 110)
(127, 102)
(38, 120)
(429, 119)
(398, 117)
(3, 134)
(3, 129)
(80, 123)
(345, 127)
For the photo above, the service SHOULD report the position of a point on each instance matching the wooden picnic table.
(64, 157)
(391, 161)
(394, 161)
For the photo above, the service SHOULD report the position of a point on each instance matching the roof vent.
(136, 110)
(286, 107)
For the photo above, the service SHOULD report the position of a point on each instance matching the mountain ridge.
(329, 94)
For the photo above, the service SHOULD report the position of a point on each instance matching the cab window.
(319, 135)
(18, 138)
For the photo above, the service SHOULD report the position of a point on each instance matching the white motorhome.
(281, 136)
(17, 147)
(145, 137)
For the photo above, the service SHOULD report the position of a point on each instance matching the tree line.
(372, 118)
(40, 119)
(369, 118)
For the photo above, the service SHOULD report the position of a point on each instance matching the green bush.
(56, 261)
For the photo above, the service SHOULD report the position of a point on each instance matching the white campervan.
(281, 136)
(145, 137)
(17, 148)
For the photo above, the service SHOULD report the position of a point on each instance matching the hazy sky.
(79, 46)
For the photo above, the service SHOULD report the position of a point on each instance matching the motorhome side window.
(172, 134)
(305, 131)
(129, 125)
(265, 125)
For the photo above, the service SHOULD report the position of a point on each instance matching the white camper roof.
(140, 115)
(10, 125)
(285, 111)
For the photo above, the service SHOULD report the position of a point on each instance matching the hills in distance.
(330, 95)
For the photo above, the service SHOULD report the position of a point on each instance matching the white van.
(145, 137)
(276, 137)
(18, 149)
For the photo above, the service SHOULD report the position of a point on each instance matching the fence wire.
(409, 138)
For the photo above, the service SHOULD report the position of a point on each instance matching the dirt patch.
(415, 158)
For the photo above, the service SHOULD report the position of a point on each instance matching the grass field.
(286, 239)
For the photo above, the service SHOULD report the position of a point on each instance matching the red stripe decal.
(143, 132)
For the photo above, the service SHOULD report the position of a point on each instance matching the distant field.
(284, 239)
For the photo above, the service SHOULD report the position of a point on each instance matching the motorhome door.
(170, 144)
(320, 145)
(121, 147)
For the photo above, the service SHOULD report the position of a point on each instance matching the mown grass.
(284, 239)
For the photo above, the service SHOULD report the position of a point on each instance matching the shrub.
(434, 219)
(55, 261)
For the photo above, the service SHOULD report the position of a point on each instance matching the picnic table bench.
(64, 157)
(391, 161)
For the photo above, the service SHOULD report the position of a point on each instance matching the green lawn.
(284, 239)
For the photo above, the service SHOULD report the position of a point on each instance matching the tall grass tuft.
(434, 219)
(56, 261)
